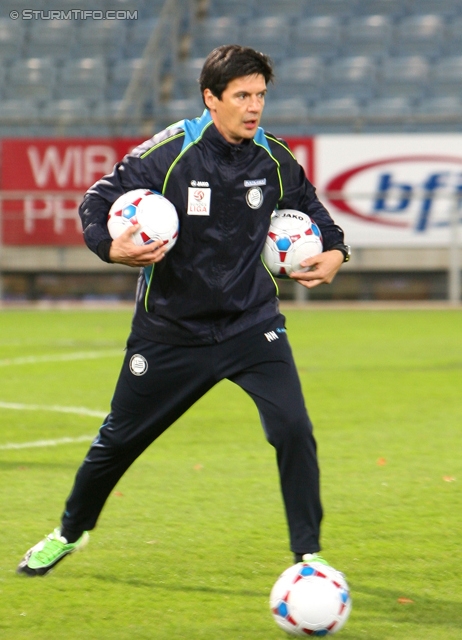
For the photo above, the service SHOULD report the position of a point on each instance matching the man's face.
(237, 115)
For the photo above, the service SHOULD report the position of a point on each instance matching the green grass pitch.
(194, 536)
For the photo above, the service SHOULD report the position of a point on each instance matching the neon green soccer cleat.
(45, 555)
(314, 557)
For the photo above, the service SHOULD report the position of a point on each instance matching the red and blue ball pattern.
(310, 599)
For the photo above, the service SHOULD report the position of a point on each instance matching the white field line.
(62, 357)
(83, 411)
(45, 443)
(49, 443)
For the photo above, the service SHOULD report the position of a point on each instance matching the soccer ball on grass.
(156, 215)
(292, 237)
(310, 599)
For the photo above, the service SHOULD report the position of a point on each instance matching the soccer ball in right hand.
(292, 237)
(156, 215)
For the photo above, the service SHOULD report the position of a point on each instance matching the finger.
(310, 262)
(313, 274)
(310, 284)
(154, 251)
(150, 247)
(130, 231)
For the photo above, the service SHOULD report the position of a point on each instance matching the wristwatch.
(344, 248)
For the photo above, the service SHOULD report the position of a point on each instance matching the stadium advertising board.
(391, 190)
(43, 182)
(384, 190)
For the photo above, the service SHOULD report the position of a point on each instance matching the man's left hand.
(323, 269)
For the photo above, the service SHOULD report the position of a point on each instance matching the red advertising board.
(304, 151)
(43, 181)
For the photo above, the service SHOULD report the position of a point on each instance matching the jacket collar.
(225, 148)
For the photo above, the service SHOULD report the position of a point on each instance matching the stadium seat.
(441, 107)
(215, 32)
(66, 111)
(82, 78)
(72, 117)
(142, 6)
(121, 72)
(19, 5)
(446, 77)
(367, 35)
(317, 36)
(419, 35)
(101, 38)
(270, 35)
(236, 8)
(392, 8)
(351, 76)
(335, 109)
(404, 76)
(3, 78)
(276, 7)
(19, 118)
(51, 38)
(284, 111)
(137, 37)
(31, 78)
(18, 111)
(339, 8)
(442, 7)
(298, 78)
(11, 38)
(452, 45)
(65, 5)
(187, 78)
(380, 109)
(178, 109)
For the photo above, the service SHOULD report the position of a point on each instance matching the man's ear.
(209, 99)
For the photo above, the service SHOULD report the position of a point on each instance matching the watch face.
(348, 253)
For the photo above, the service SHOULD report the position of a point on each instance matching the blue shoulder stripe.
(195, 128)
(261, 140)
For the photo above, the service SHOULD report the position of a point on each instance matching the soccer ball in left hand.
(156, 215)
(292, 237)
(310, 599)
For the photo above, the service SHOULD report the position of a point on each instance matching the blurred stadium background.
(77, 91)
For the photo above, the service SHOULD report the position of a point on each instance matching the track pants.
(159, 382)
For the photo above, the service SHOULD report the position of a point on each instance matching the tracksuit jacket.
(213, 284)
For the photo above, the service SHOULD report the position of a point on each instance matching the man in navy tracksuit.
(208, 310)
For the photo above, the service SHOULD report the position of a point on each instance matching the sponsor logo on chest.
(199, 200)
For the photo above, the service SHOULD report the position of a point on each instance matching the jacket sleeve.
(133, 172)
(298, 193)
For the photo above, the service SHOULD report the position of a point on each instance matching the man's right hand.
(124, 251)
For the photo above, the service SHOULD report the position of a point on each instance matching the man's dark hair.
(231, 61)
